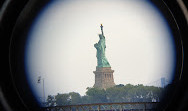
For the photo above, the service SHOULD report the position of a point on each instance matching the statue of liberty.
(101, 46)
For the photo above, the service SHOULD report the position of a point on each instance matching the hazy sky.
(139, 45)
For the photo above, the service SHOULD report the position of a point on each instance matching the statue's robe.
(101, 59)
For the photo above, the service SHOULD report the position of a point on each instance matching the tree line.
(118, 93)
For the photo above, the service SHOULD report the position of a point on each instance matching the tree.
(51, 101)
(96, 95)
(62, 99)
(85, 99)
(75, 98)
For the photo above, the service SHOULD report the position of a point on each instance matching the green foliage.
(62, 99)
(51, 101)
(119, 93)
(96, 95)
(75, 97)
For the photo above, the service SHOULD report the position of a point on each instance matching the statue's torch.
(102, 30)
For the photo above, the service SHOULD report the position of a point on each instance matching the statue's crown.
(100, 35)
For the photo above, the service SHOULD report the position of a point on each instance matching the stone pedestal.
(104, 77)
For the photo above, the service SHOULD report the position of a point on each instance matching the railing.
(128, 106)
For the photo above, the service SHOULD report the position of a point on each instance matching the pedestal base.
(104, 77)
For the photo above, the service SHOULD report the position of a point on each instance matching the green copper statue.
(101, 46)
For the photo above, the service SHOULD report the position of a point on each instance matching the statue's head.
(101, 36)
